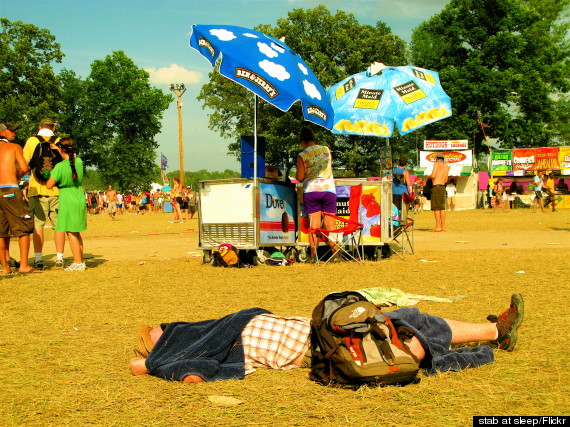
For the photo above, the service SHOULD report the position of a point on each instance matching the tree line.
(504, 63)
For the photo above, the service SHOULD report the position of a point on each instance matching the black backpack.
(354, 343)
(428, 189)
(44, 159)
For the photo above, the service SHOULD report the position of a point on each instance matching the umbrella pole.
(255, 142)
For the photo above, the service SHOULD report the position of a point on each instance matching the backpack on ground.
(354, 343)
(225, 256)
(44, 159)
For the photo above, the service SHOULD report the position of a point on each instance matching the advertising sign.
(452, 158)
(564, 159)
(276, 213)
(524, 159)
(501, 162)
(457, 144)
(547, 158)
(368, 211)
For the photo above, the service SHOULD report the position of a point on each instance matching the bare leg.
(330, 224)
(59, 237)
(462, 332)
(24, 242)
(4, 243)
(315, 221)
(76, 244)
(38, 240)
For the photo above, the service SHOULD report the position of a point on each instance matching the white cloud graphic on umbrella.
(223, 35)
(311, 90)
(275, 70)
(267, 51)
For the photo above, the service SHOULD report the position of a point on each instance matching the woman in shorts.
(314, 169)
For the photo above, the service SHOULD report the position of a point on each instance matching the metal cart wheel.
(292, 253)
(207, 258)
(304, 254)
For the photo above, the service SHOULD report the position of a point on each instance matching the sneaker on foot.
(76, 267)
(508, 324)
(59, 263)
(39, 265)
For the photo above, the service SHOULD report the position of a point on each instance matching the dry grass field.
(67, 337)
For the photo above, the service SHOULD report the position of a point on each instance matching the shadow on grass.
(94, 260)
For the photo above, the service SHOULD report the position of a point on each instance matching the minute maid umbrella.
(266, 66)
(369, 103)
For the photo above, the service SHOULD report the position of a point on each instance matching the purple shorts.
(320, 201)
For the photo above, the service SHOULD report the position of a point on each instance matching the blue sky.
(155, 34)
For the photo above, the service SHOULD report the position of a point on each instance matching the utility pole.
(179, 90)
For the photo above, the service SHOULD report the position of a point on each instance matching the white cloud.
(303, 69)
(223, 35)
(274, 70)
(173, 74)
(311, 90)
(277, 47)
(253, 36)
(266, 50)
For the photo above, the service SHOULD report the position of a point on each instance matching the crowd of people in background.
(111, 202)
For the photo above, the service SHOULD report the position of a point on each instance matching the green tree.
(334, 46)
(503, 62)
(120, 118)
(29, 89)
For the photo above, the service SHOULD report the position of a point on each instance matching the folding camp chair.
(402, 233)
(347, 240)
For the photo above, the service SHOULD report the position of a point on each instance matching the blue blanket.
(211, 349)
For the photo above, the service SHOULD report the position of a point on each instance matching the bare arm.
(21, 161)
(300, 173)
(50, 183)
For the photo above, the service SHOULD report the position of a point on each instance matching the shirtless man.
(439, 177)
(15, 217)
(111, 202)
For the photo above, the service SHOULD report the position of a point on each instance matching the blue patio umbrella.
(267, 67)
(372, 102)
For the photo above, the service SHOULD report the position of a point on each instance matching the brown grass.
(67, 337)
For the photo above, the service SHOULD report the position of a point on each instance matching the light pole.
(179, 89)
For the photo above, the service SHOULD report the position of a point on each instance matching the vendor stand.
(257, 218)
(521, 165)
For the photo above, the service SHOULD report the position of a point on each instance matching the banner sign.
(456, 158)
(564, 159)
(457, 144)
(547, 158)
(501, 161)
(524, 159)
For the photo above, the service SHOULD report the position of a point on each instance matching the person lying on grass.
(237, 344)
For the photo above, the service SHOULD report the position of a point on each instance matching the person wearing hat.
(15, 217)
(439, 175)
(44, 202)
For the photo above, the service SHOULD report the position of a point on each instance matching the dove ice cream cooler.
(256, 218)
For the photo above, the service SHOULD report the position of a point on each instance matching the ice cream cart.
(257, 218)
